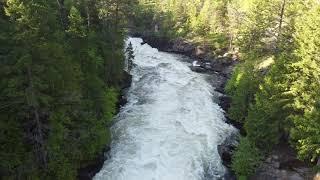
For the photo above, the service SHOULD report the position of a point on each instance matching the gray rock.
(227, 148)
(294, 176)
(282, 164)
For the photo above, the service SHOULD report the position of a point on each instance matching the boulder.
(223, 65)
(125, 84)
(227, 148)
(92, 168)
(182, 47)
(159, 42)
(225, 102)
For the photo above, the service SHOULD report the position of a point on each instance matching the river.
(171, 125)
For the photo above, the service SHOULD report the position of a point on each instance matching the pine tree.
(246, 159)
(304, 84)
(130, 56)
(56, 105)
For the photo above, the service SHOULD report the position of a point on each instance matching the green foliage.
(59, 84)
(130, 57)
(197, 20)
(61, 64)
(283, 98)
(304, 85)
(246, 159)
(76, 23)
(241, 88)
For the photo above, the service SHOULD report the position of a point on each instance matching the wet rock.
(227, 148)
(223, 65)
(126, 80)
(161, 43)
(93, 167)
(124, 85)
(225, 102)
(198, 69)
(229, 175)
(183, 47)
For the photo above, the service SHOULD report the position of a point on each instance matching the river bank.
(89, 171)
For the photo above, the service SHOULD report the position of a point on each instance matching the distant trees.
(192, 19)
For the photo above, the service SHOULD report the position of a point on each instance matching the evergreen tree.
(130, 56)
(246, 159)
(304, 84)
(56, 104)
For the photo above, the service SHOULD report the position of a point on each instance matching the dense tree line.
(275, 88)
(60, 65)
(275, 91)
(196, 20)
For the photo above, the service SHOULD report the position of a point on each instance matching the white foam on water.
(170, 127)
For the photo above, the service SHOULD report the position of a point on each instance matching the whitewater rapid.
(170, 127)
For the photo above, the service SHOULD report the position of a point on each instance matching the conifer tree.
(304, 84)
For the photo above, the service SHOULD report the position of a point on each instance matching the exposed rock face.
(88, 172)
(224, 65)
(225, 151)
(124, 85)
(227, 148)
(179, 46)
(183, 47)
(282, 164)
(161, 43)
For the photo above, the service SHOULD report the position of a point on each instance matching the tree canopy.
(61, 64)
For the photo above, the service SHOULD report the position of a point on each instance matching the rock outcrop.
(124, 86)
(225, 151)
(93, 167)
(282, 164)
(227, 148)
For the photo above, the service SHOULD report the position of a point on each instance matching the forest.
(61, 64)
(275, 88)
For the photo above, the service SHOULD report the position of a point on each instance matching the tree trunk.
(88, 16)
(281, 16)
(37, 134)
(63, 14)
(281, 19)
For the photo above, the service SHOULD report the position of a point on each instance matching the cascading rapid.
(170, 127)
